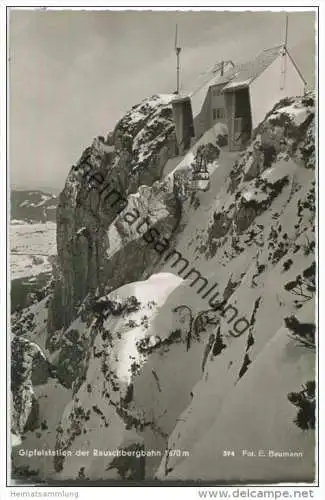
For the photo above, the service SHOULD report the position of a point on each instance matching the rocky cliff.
(95, 192)
(156, 336)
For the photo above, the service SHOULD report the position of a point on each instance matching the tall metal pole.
(177, 69)
(286, 32)
(178, 51)
(284, 55)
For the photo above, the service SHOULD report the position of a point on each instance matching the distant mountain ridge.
(33, 206)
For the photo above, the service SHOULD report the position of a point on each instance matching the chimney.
(222, 66)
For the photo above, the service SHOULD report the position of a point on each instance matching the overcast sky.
(73, 74)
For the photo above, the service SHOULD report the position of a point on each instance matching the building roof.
(245, 73)
(242, 75)
(233, 77)
(200, 89)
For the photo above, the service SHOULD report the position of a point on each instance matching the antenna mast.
(286, 33)
(284, 54)
(178, 51)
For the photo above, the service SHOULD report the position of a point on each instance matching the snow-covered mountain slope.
(257, 224)
(131, 381)
(243, 431)
(32, 206)
(159, 334)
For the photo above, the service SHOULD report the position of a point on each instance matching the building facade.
(237, 96)
(254, 90)
(196, 112)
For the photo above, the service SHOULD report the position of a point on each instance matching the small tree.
(304, 333)
(304, 284)
(305, 401)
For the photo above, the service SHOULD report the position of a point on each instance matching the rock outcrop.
(96, 191)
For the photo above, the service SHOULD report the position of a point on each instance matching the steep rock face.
(95, 193)
(29, 366)
(151, 211)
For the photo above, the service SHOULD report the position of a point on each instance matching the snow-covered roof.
(200, 89)
(243, 74)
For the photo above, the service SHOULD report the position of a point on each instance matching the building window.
(216, 92)
(218, 113)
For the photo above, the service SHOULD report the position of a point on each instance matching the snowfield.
(31, 245)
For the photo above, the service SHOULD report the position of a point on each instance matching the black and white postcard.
(162, 240)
